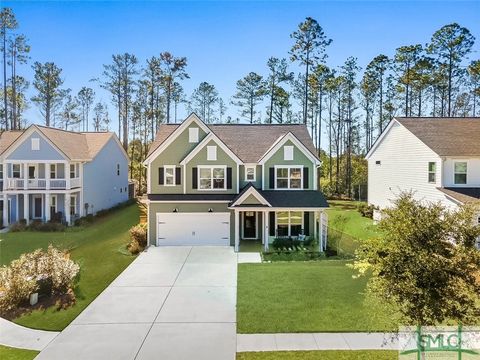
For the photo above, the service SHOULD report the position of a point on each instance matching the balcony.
(41, 184)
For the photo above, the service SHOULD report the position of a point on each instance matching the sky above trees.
(223, 41)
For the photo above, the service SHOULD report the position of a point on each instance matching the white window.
(169, 175)
(289, 223)
(1, 171)
(73, 205)
(432, 172)
(212, 178)
(53, 204)
(460, 173)
(250, 173)
(211, 153)
(289, 177)
(35, 144)
(72, 171)
(16, 171)
(288, 153)
(193, 135)
(53, 171)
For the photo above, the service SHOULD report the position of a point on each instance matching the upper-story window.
(460, 173)
(1, 172)
(169, 175)
(250, 173)
(288, 153)
(16, 171)
(212, 178)
(193, 135)
(53, 171)
(211, 153)
(288, 177)
(35, 144)
(72, 171)
(432, 172)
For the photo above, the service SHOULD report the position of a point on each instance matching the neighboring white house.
(436, 158)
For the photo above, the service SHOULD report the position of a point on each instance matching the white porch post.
(82, 205)
(47, 207)
(25, 176)
(315, 214)
(5, 210)
(320, 232)
(67, 208)
(237, 230)
(266, 230)
(26, 212)
(47, 176)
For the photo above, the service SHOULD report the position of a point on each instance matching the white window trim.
(193, 135)
(36, 171)
(211, 153)
(288, 152)
(73, 203)
(211, 167)
(19, 171)
(35, 144)
(56, 202)
(70, 171)
(432, 172)
(50, 170)
(289, 221)
(254, 167)
(289, 167)
(165, 167)
(454, 173)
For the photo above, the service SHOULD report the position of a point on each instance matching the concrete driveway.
(171, 303)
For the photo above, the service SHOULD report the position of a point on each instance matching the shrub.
(48, 272)
(19, 226)
(46, 227)
(138, 238)
(366, 210)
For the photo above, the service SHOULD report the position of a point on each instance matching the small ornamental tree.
(425, 267)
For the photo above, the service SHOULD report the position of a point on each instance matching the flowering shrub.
(47, 272)
(138, 238)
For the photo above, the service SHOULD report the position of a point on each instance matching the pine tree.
(250, 92)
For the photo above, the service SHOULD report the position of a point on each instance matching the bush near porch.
(100, 249)
(304, 297)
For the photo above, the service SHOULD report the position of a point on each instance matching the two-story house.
(438, 159)
(219, 184)
(47, 173)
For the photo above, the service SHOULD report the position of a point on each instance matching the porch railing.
(41, 184)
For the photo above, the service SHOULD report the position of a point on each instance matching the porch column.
(237, 230)
(5, 210)
(47, 207)
(320, 230)
(82, 205)
(266, 231)
(47, 176)
(315, 226)
(25, 176)
(26, 212)
(67, 208)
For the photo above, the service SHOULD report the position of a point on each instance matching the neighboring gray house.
(47, 172)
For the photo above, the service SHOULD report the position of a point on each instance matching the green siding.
(155, 208)
(258, 177)
(223, 159)
(172, 155)
(299, 158)
(251, 200)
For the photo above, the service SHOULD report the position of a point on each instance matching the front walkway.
(171, 303)
(17, 336)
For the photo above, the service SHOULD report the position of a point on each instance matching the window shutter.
(160, 175)
(305, 177)
(194, 178)
(229, 177)
(178, 176)
(306, 223)
(271, 225)
(272, 178)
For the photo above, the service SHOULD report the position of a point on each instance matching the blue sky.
(223, 40)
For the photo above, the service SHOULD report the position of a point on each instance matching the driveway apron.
(170, 303)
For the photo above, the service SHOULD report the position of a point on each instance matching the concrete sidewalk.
(316, 341)
(17, 336)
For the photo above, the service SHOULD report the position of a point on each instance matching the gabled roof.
(446, 136)
(77, 146)
(462, 195)
(249, 190)
(249, 142)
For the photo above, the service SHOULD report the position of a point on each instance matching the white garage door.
(193, 229)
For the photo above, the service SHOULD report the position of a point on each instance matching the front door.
(250, 225)
(37, 207)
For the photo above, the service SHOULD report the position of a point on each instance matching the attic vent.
(378, 162)
(35, 144)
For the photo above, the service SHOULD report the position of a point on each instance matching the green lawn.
(16, 354)
(319, 355)
(99, 249)
(303, 297)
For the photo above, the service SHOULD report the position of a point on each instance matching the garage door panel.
(193, 229)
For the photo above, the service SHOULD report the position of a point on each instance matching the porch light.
(210, 210)
(175, 210)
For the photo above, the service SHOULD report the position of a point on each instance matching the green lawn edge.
(320, 355)
(11, 353)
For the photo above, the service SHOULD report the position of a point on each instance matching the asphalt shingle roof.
(446, 136)
(464, 195)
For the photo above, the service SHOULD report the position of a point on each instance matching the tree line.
(347, 105)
